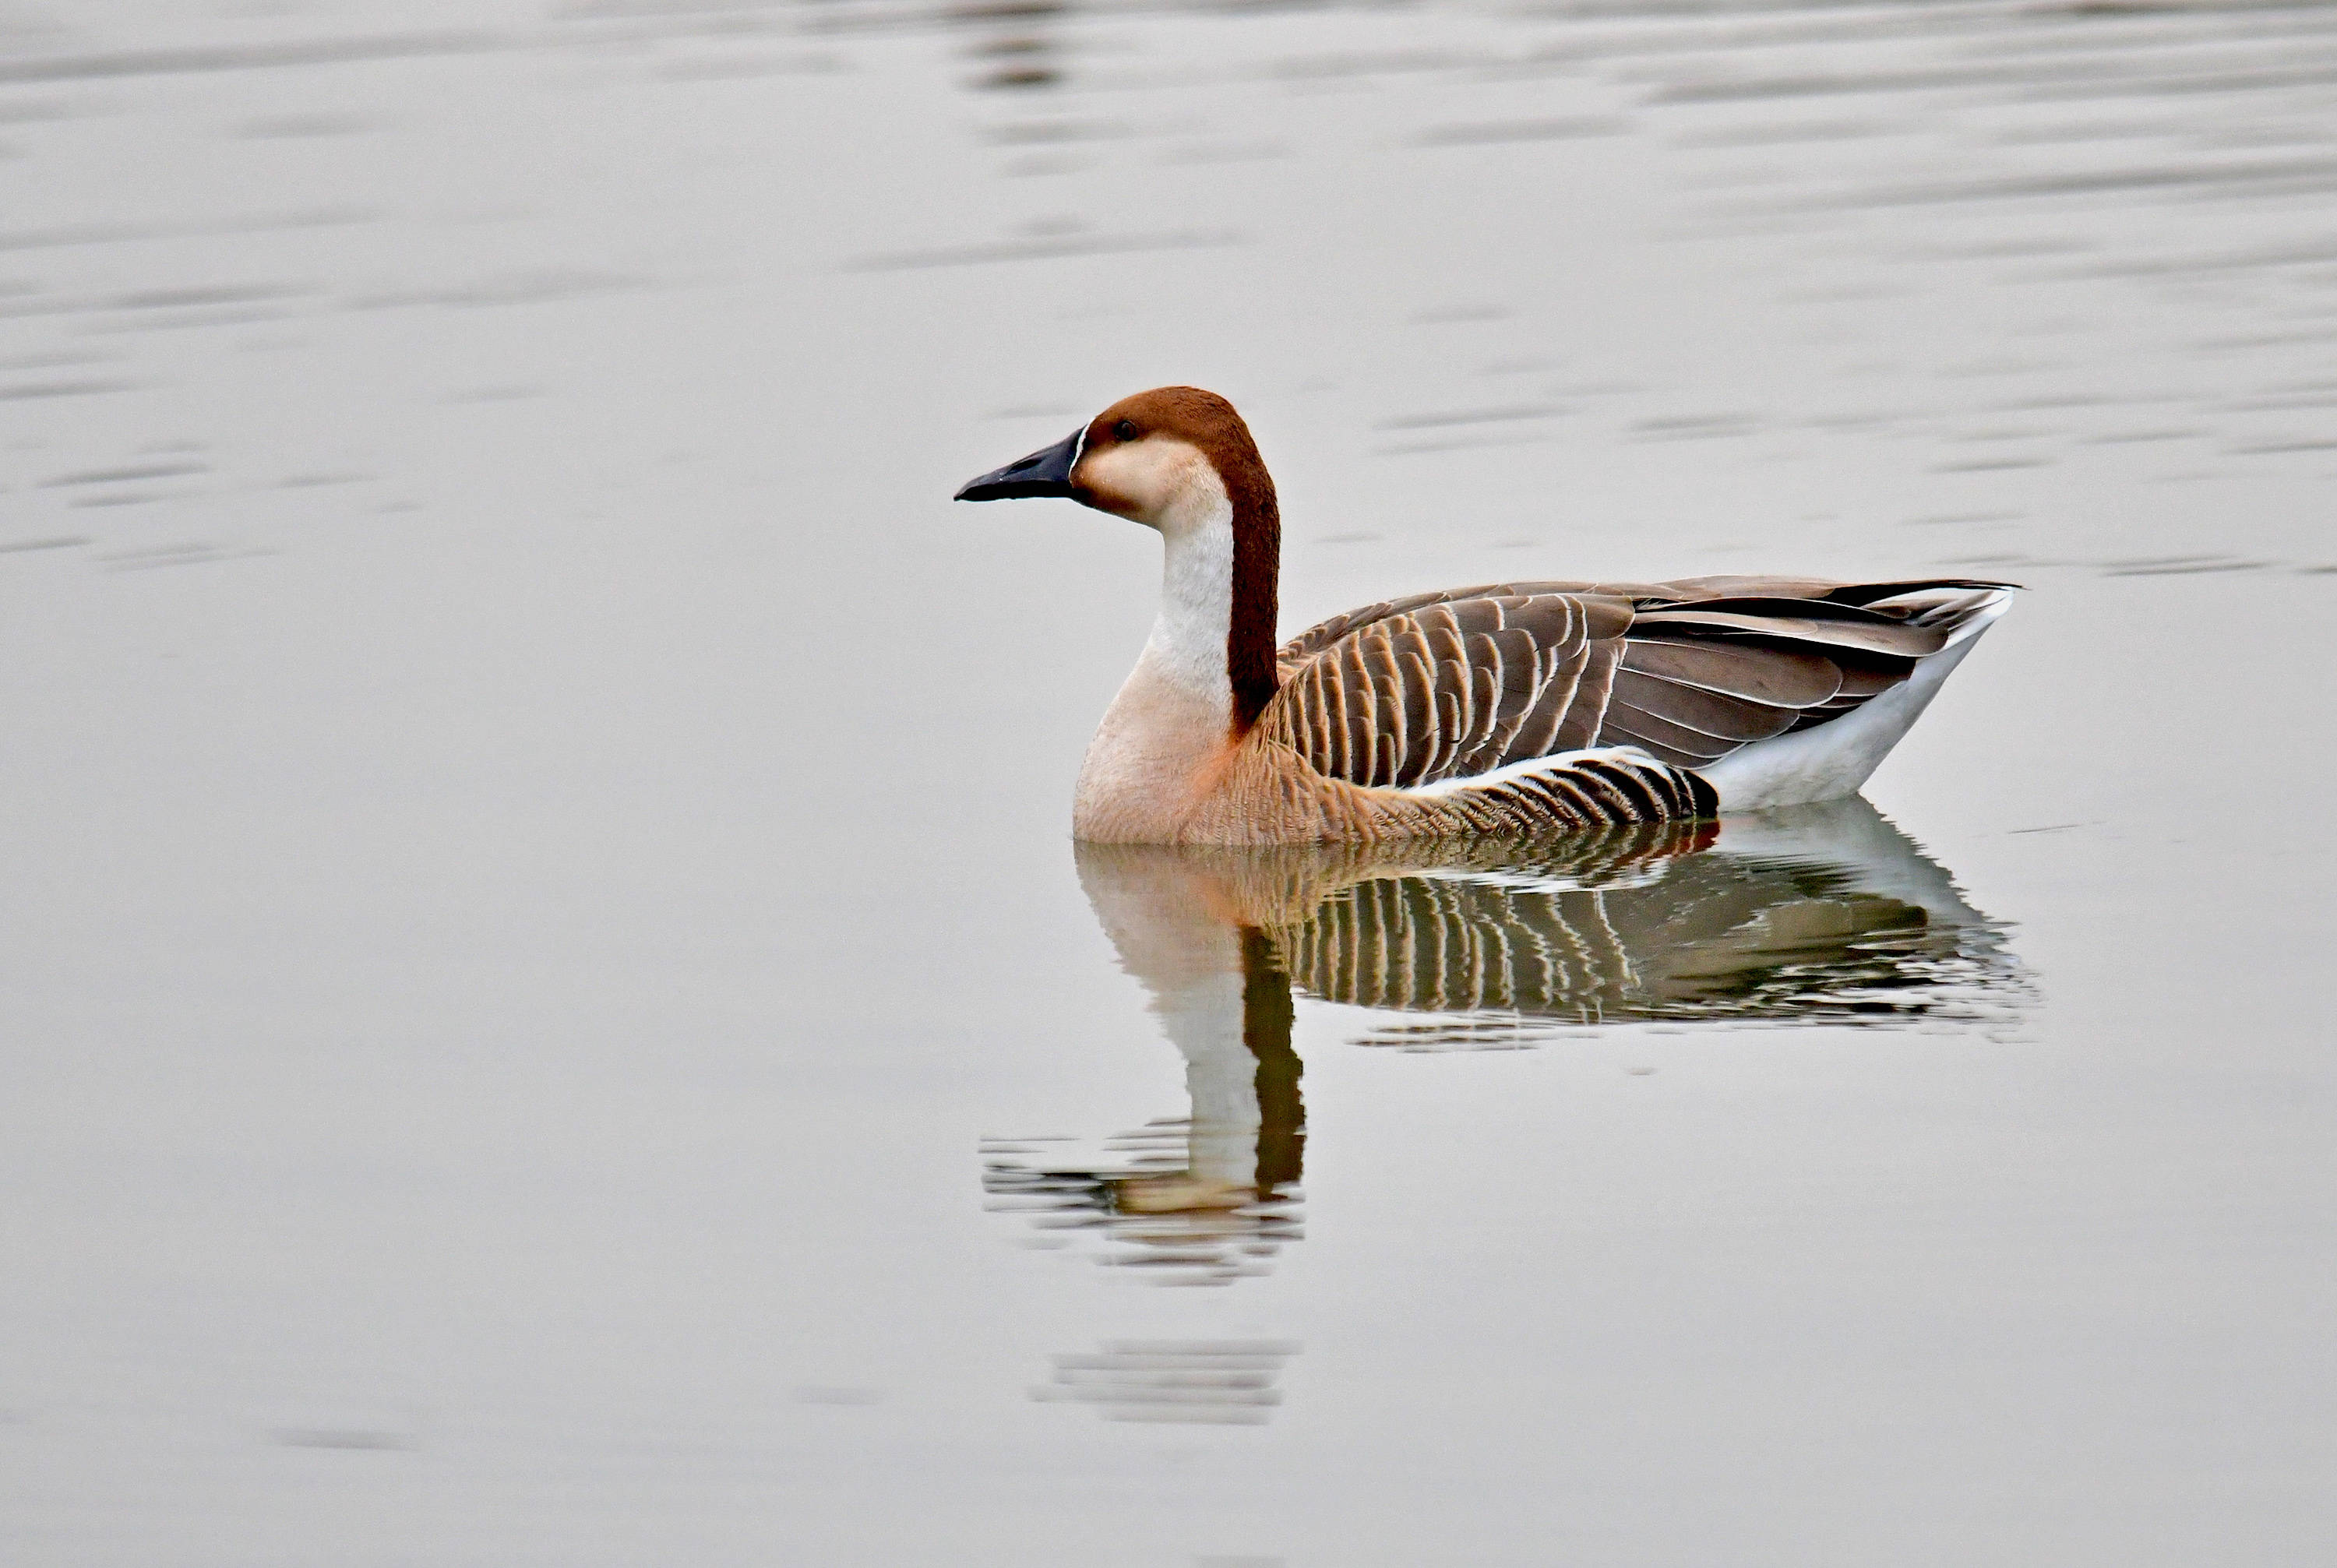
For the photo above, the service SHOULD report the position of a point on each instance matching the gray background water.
(537, 837)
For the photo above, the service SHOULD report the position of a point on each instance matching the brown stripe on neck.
(1257, 568)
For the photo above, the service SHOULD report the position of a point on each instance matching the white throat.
(1188, 646)
(1174, 715)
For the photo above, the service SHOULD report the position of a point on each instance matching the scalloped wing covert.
(1454, 688)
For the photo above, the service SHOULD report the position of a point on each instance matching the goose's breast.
(1160, 747)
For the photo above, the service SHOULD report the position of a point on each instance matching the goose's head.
(1169, 457)
(1181, 460)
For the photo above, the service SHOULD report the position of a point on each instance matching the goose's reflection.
(1826, 913)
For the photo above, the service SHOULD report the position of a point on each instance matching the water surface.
(553, 1015)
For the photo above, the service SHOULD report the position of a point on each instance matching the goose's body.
(1509, 707)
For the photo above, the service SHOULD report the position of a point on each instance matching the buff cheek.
(1144, 480)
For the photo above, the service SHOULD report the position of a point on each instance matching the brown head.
(1175, 458)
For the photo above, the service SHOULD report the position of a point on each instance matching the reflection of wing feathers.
(1825, 913)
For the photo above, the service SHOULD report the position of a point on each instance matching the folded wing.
(1450, 685)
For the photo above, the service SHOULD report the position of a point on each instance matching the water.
(553, 1015)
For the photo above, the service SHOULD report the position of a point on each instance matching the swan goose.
(1505, 708)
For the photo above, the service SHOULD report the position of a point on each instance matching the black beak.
(1045, 473)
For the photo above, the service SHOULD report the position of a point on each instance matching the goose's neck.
(1206, 671)
(1213, 640)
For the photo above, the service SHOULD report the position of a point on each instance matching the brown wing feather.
(1742, 658)
(1767, 675)
(1519, 672)
(1447, 689)
(1457, 683)
(1579, 728)
(1821, 633)
(1675, 743)
(1295, 652)
(1537, 733)
(1727, 718)
(1914, 599)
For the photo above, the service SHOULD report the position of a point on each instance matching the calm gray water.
(553, 1015)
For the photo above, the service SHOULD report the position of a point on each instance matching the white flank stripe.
(1560, 763)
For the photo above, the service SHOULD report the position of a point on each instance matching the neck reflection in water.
(1822, 915)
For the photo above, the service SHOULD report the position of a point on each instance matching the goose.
(1500, 709)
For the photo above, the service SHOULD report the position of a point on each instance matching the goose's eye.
(1125, 430)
